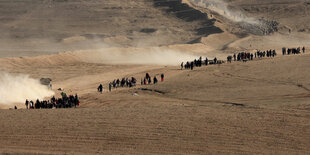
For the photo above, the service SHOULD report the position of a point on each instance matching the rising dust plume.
(140, 56)
(17, 88)
(249, 24)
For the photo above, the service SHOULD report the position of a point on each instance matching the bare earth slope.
(241, 19)
(34, 27)
(253, 108)
(291, 14)
(258, 107)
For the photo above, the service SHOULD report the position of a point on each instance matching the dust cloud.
(17, 88)
(139, 56)
(249, 24)
(223, 9)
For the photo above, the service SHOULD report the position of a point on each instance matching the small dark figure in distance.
(155, 80)
(100, 88)
(192, 65)
(110, 87)
(27, 103)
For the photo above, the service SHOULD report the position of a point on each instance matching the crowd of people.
(199, 62)
(130, 82)
(147, 80)
(125, 82)
(290, 51)
(63, 102)
(246, 56)
(241, 56)
(73, 101)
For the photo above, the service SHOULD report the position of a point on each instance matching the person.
(31, 105)
(123, 82)
(147, 76)
(234, 56)
(77, 101)
(283, 51)
(155, 80)
(53, 99)
(133, 81)
(127, 82)
(27, 103)
(37, 104)
(206, 61)
(149, 80)
(303, 49)
(229, 59)
(162, 77)
(182, 66)
(215, 60)
(15, 107)
(63, 95)
(187, 65)
(114, 83)
(117, 83)
(145, 82)
(100, 88)
(298, 50)
(110, 87)
(192, 65)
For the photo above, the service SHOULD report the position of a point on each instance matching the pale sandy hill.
(237, 18)
(31, 27)
(258, 107)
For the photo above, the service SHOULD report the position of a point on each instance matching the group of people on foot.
(63, 102)
(247, 56)
(241, 56)
(290, 51)
(73, 101)
(147, 80)
(125, 82)
(198, 63)
(130, 82)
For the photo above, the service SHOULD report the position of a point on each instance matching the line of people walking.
(147, 80)
(241, 56)
(199, 62)
(130, 82)
(290, 51)
(247, 56)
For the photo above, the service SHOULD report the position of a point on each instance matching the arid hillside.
(291, 14)
(34, 27)
(258, 106)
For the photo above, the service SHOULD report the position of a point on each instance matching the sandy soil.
(43, 27)
(255, 107)
(258, 107)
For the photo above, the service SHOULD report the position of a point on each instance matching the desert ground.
(257, 107)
